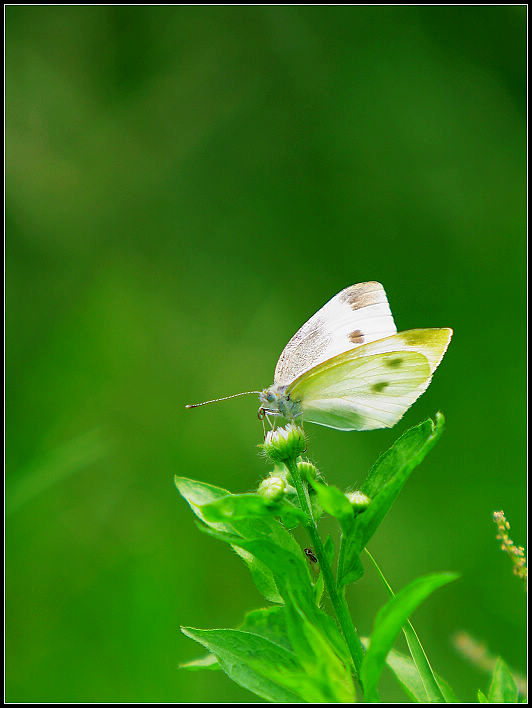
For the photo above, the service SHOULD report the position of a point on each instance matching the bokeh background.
(185, 187)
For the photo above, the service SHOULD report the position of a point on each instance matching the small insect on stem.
(310, 555)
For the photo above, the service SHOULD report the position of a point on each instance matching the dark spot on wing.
(363, 295)
(378, 387)
(356, 337)
(394, 363)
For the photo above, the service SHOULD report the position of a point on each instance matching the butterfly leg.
(261, 414)
(272, 425)
(270, 416)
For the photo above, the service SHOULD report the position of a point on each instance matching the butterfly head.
(275, 400)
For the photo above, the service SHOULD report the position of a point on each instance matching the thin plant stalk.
(338, 599)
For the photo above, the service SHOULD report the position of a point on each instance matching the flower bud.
(358, 500)
(307, 470)
(284, 443)
(272, 488)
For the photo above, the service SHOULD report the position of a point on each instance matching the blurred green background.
(185, 187)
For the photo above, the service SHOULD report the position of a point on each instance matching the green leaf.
(268, 543)
(481, 697)
(406, 672)
(236, 507)
(502, 688)
(319, 587)
(208, 662)
(289, 569)
(408, 676)
(436, 689)
(200, 494)
(290, 496)
(383, 485)
(388, 624)
(270, 623)
(409, 445)
(395, 466)
(330, 629)
(328, 547)
(433, 691)
(292, 576)
(262, 576)
(448, 693)
(251, 661)
(332, 682)
(197, 494)
(334, 502)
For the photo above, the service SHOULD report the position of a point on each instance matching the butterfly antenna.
(215, 400)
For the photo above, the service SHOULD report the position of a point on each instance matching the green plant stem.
(337, 598)
(434, 692)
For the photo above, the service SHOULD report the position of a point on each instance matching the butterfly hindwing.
(362, 392)
(431, 342)
(355, 316)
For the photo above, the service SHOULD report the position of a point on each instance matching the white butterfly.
(348, 368)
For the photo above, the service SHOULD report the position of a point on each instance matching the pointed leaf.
(199, 494)
(448, 692)
(383, 485)
(319, 587)
(261, 574)
(329, 549)
(396, 466)
(436, 689)
(208, 662)
(334, 502)
(406, 672)
(269, 622)
(331, 676)
(250, 660)
(289, 570)
(408, 676)
(388, 624)
(401, 452)
(236, 507)
(502, 687)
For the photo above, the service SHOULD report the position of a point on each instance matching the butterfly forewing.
(357, 392)
(355, 316)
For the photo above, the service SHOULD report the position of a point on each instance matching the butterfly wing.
(355, 316)
(353, 392)
(432, 343)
